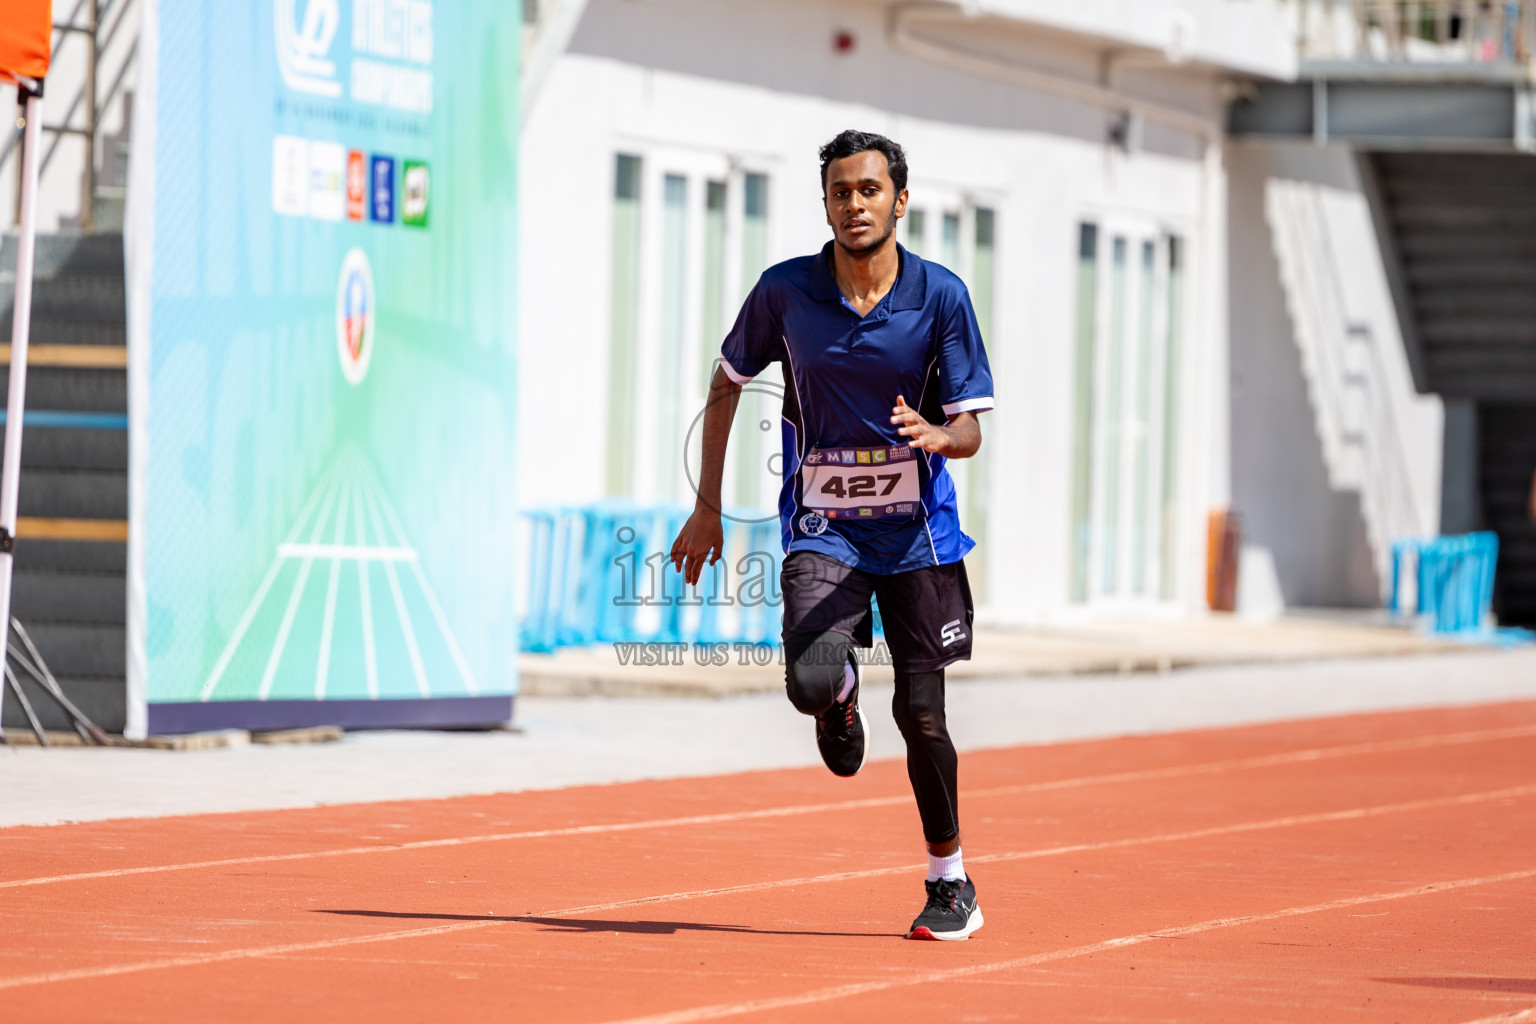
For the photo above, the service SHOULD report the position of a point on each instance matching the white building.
(1178, 322)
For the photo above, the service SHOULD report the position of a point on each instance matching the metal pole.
(21, 322)
(88, 176)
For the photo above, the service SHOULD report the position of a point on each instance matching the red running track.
(1366, 868)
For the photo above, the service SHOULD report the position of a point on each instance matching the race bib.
(861, 483)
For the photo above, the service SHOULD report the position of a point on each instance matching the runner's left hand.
(928, 436)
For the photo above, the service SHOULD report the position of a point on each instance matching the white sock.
(946, 867)
(848, 680)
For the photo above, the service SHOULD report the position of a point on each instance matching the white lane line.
(825, 995)
(1511, 1017)
(734, 1009)
(797, 809)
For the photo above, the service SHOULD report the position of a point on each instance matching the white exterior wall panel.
(705, 88)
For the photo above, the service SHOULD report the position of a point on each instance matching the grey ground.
(574, 740)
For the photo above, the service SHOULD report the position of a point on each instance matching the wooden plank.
(83, 357)
(34, 528)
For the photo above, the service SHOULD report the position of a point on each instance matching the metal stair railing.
(1485, 32)
(97, 24)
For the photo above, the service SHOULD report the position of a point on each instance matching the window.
(713, 313)
(1173, 327)
(982, 284)
(949, 250)
(690, 238)
(1082, 393)
(916, 222)
(751, 444)
(624, 315)
(672, 337)
(1125, 427)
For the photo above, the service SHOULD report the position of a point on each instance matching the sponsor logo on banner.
(813, 524)
(400, 33)
(415, 192)
(355, 316)
(327, 180)
(305, 32)
(357, 186)
(866, 513)
(382, 189)
(290, 176)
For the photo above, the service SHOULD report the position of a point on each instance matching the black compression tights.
(931, 762)
(813, 679)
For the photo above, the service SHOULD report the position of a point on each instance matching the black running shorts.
(927, 613)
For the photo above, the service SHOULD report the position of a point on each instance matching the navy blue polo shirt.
(853, 489)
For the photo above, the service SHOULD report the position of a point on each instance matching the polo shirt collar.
(909, 291)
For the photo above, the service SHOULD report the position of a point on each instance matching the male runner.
(885, 372)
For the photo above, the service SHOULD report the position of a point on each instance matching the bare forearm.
(719, 412)
(964, 433)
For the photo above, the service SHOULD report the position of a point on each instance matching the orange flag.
(26, 29)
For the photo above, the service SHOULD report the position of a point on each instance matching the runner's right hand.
(701, 537)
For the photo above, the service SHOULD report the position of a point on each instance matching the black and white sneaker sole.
(972, 923)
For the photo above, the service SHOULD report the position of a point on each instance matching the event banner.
(322, 288)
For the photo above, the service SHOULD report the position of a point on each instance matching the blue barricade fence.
(600, 573)
(1452, 578)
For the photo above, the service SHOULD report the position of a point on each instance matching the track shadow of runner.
(1476, 984)
(587, 924)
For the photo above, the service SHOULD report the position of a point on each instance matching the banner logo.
(357, 186)
(415, 187)
(303, 48)
(382, 209)
(354, 316)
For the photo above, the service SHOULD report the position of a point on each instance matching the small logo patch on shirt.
(813, 524)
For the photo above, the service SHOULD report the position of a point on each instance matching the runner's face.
(862, 203)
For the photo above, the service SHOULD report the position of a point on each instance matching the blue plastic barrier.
(1453, 584)
(599, 573)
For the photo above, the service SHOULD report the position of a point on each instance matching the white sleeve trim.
(968, 405)
(730, 371)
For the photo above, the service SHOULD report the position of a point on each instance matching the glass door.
(1126, 425)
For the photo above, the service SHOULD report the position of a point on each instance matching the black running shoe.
(841, 734)
(951, 913)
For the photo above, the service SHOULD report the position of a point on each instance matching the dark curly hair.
(849, 142)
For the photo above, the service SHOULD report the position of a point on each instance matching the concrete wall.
(1333, 454)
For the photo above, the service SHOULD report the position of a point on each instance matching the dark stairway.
(1508, 462)
(70, 586)
(1464, 226)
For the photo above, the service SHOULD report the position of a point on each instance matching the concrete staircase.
(71, 550)
(1508, 457)
(1464, 229)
